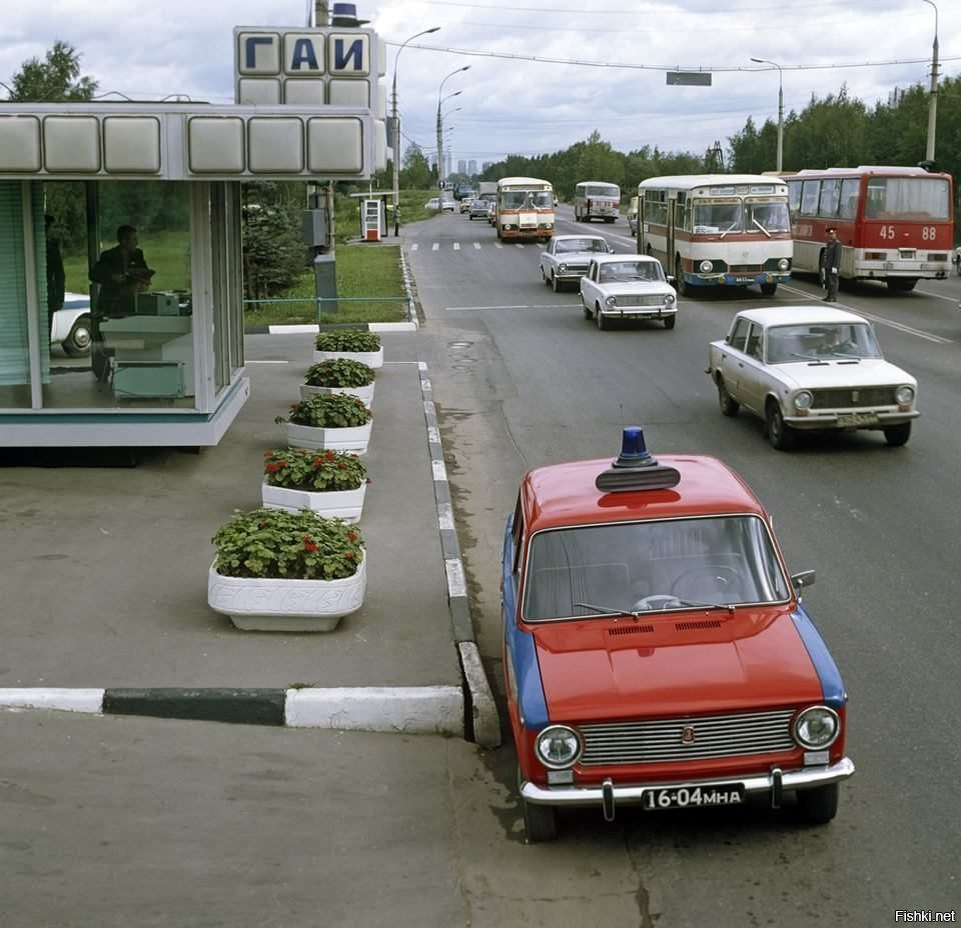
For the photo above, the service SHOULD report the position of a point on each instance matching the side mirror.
(672, 280)
(802, 579)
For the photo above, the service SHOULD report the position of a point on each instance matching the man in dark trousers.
(832, 261)
(121, 272)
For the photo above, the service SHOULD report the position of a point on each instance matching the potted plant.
(357, 344)
(340, 375)
(286, 571)
(331, 483)
(329, 420)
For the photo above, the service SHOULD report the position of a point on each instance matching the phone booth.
(372, 220)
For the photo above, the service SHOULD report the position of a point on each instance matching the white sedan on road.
(566, 258)
(805, 368)
(619, 287)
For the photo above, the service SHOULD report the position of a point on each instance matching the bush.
(275, 544)
(313, 471)
(348, 340)
(340, 372)
(329, 411)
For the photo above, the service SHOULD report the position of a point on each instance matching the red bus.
(895, 224)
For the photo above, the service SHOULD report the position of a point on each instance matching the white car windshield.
(581, 244)
(787, 343)
(652, 567)
(630, 270)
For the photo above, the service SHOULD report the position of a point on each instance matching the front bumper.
(834, 420)
(609, 794)
(638, 312)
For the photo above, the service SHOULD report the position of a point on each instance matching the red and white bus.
(717, 230)
(525, 208)
(895, 224)
(596, 200)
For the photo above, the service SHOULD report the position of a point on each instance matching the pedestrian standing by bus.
(832, 260)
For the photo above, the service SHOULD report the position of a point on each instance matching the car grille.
(661, 740)
(851, 397)
(638, 300)
(571, 267)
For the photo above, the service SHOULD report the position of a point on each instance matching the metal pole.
(440, 140)
(395, 126)
(933, 99)
(780, 110)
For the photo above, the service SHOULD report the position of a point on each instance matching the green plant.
(276, 544)
(340, 372)
(348, 340)
(314, 471)
(329, 411)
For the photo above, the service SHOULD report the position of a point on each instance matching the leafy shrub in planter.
(313, 471)
(348, 340)
(275, 544)
(340, 372)
(329, 411)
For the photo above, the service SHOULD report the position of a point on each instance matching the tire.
(587, 311)
(555, 283)
(818, 806)
(670, 322)
(897, 435)
(602, 323)
(902, 284)
(781, 436)
(683, 288)
(540, 822)
(77, 342)
(768, 289)
(728, 406)
(545, 278)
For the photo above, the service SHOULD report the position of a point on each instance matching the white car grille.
(853, 397)
(636, 299)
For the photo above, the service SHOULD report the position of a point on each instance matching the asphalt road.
(522, 379)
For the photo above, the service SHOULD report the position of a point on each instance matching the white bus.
(596, 200)
(525, 208)
(717, 230)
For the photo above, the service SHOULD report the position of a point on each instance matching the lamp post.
(395, 123)
(780, 110)
(933, 99)
(440, 124)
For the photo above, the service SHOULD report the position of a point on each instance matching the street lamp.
(933, 100)
(395, 123)
(780, 111)
(440, 124)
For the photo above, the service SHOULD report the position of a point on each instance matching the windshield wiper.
(765, 231)
(607, 610)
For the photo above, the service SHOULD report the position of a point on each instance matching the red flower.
(271, 468)
(318, 462)
(352, 536)
(341, 465)
(349, 555)
(331, 455)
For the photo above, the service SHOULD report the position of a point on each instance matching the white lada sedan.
(801, 368)
(628, 287)
(566, 258)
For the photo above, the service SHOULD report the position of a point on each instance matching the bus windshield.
(711, 218)
(600, 190)
(768, 217)
(907, 198)
(532, 199)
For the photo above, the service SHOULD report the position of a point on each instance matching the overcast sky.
(543, 73)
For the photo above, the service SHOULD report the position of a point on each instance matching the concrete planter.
(374, 359)
(364, 393)
(315, 438)
(339, 504)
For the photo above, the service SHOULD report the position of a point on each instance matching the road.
(523, 379)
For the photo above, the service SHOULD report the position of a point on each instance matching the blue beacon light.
(635, 469)
(633, 449)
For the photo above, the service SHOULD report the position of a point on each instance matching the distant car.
(432, 203)
(448, 205)
(465, 205)
(801, 368)
(492, 212)
(618, 287)
(71, 325)
(566, 258)
(656, 652)
(478, 209)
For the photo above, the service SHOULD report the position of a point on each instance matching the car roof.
(588, 238)
(564, 495)
(605, 259)
(799, 315)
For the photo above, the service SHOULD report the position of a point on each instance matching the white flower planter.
(332, 504)
(313, 438)
(372, 359)
(256, 604)
(364, 393)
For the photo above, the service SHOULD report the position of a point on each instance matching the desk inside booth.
(152, 351)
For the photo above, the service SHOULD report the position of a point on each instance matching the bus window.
(809, 197)
(542, 199)
(717, 217)
(830, 194)
(514, 199)
(769, 217)
(794, 196)
(849, 197)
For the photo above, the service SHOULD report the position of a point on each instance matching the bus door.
(669, 249)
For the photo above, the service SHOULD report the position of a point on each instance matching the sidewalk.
(106, 578)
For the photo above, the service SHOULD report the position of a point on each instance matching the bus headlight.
(904, 395)
(558, 746)
(803, 399)
(815, 728)
(784, 264)
(705, 267)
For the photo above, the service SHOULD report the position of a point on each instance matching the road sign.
(690, 78)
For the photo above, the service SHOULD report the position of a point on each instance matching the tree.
(56, 79)
(416, 172)
(274, 251)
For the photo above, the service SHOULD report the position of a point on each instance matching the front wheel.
(670, 322)
(897, 435)
(77, 342)
(729, 407)
(819, 805)
(779, 433)
(599, 316)
(768, 289)
(587, 310)
(683, 288)
(540, 822)
(555, 283)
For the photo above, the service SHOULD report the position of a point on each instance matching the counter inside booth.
(152, 351)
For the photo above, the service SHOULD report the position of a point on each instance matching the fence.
(378, 309)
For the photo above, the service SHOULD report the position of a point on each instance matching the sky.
(542, 74)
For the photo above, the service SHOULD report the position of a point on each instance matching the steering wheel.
(717, 577)
(657, 601)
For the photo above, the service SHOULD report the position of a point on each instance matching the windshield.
(907, 198)
(768, 217)
(652, 566)
(630, 270)
(601, 190)
(710, 218)
(581, 244)
(787, 343)
(527, 199)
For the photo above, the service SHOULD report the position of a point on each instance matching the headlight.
(705, 267)
(803, 399)
(562, 268)
(669, 298)
(783, 264)
(816, 728)
(904, 395)
(611, 301)
(557, 747)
